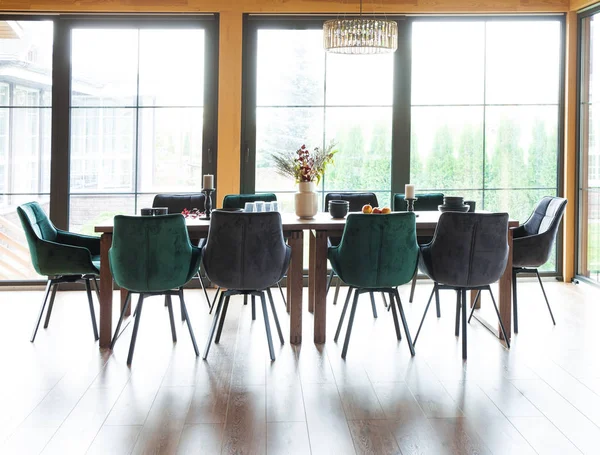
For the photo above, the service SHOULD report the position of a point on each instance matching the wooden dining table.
(319, 229)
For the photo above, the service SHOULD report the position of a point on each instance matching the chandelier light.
(360, 35)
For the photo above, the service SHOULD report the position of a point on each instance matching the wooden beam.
(230, 104)
(570, 146)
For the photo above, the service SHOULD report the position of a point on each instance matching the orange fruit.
(367, 208)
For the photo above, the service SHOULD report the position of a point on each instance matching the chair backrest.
(150, 253)
(245, 250)
(468, 249)
(36, 225)
(426, 202)
(533, 240)
(377, 250)
(177, 202)
(238, 201)
(546, 216)
(355, 200)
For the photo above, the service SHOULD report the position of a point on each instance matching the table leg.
(311, 272)
(320, 286)
(106, 290)
(505, 292)
(296, 241)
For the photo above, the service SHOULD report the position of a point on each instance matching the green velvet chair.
(426, 202)
(238, 201)
(64, 257)
(376, 253)
(152, 255)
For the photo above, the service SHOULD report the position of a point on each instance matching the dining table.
(318, 229)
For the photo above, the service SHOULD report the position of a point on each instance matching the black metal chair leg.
(267, 325)
(222, 320)
(457, 322)
(339, 327)
(213, 326)
(424, 314)
(39, 319)
(329, 282)
(475, 304)
(212, 305)
(245, 299)
(350, 322)
(123, 311)
(88, 289)
(411, 345)
(172, 319)
(514, 295)
(136, 325)
(204, 289)
(189, 323)
(395, 314)
(51, 304)
(412, 287)
(167, 300)
(385, 304)
(437, 300)
(275, 315)
(96, 287)
(545, 297)
(253, 308)
(373, 305)
(337, 291)
(464, 323)
(499, 318)
(282, 294)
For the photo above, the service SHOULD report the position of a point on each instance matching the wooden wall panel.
(570, 147)
(290, 6)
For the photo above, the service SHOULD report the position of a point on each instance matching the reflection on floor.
(63, 395)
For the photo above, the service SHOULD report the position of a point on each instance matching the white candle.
(409, 191)
(208, 182)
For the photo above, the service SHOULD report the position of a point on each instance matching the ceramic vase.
(306, 202)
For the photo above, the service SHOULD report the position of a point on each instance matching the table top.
(426, 221)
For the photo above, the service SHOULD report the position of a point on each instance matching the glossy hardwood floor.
(63, 395)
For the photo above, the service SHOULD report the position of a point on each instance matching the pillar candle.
(409, 191)
(208, 182)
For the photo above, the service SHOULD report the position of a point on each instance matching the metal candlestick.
(410, 203)
(207, 202)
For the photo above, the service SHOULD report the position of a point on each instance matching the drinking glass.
(268, 207)
(249, 207)
(260, 206)
(274, 206)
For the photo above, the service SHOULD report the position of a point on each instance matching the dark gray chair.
(356, 201)
(532, 244)
(238, 201)
(468, 251)
(426, 202)
(175, 203)
(246, 254)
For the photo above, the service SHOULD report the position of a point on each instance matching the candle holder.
(207, 202)
(410, 203)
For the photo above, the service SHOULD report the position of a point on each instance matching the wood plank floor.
(62, 395)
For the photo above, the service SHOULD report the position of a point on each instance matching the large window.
(138, 116)
(485, 111)
(305, 96)
(466, 106)
(25, 126)
(589, 149)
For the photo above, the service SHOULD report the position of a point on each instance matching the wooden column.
(106, 290)
(296, 241)
(320, 286)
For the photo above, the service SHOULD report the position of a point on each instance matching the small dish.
(453, 208)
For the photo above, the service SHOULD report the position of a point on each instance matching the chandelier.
(360, 36)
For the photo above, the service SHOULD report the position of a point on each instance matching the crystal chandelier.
(360, 36)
